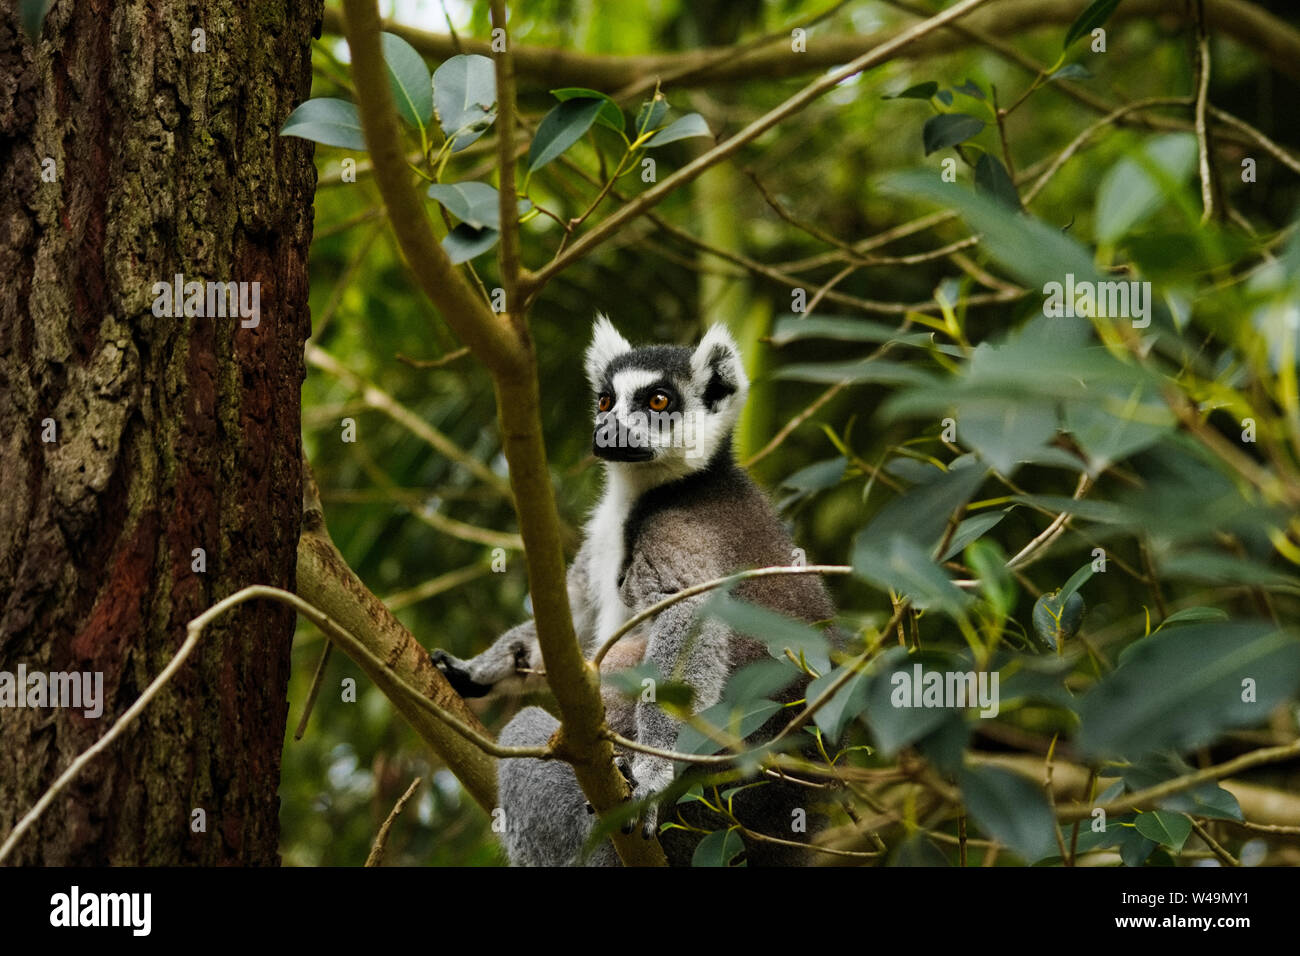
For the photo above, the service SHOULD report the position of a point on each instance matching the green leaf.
(1206, 800)
(944, 748)
(1005, 432)
(692, 124)
(1223, 569)
(922, 91)
(970, 88)
(992, 179)
(794, 328)
(819, 476)
(610, 116)
(918, 850)
(949, 129)
(409, 80)
(31, 13)
(759, 680)
(465, 242)
(921, 513)
(945, 97)
(1071, 71)
(1134, 848)
(738, 719)
(970, 529)
(1010, 808)
(775, 631)
(1034, 678)
(651, 114)
(1181, 688)
(1057, 618)
(856, 373)
(1029, 249)
(898, 563)
(693, 795)
(1116, 422)
(989, 564)
(1189, 614)
(1132, 189)
(1076, 581)
(891, 711)
(475, 204)
(629, 682)
(561, 128)
(719, 848)
(329, 121)
(465, 94)
(1167, 829)
(847, 704)
(1096, 13)
(1104, 512)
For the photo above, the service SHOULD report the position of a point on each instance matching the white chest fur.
(605, 541)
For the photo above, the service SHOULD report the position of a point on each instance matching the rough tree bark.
(172, 433)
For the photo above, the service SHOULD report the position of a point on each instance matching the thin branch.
(641, 616)
(794, 423)
(376, 855)
(439, 522)
(1202, 93)
(381, 401)
(1226, 858)
(1026, 555)
(439, 362)
(651, 197)
(810, 847)
(1152, 795)
(504, 65)
(435, 586)
(1089, 131)
(317, 678)
(1276, 151)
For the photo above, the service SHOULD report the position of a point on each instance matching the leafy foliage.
(1096, 506)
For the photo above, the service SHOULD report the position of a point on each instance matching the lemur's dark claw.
(625, 768)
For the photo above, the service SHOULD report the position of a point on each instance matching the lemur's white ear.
(716, 362)
(606, 345)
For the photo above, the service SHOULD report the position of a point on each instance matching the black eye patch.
(641, 397)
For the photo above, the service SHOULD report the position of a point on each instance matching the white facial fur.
(694, 428)
(606, 345)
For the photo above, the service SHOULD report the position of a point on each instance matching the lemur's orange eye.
(604, 403)
(659, 401)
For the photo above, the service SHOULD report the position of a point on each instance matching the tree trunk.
(132, 149)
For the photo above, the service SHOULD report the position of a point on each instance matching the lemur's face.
(663, 408)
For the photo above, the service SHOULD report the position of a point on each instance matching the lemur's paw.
(457, 674)
(624, 767)
(650, 776)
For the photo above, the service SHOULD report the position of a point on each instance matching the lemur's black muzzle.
(620, 444)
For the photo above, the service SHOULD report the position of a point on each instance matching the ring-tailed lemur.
(676, 511)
